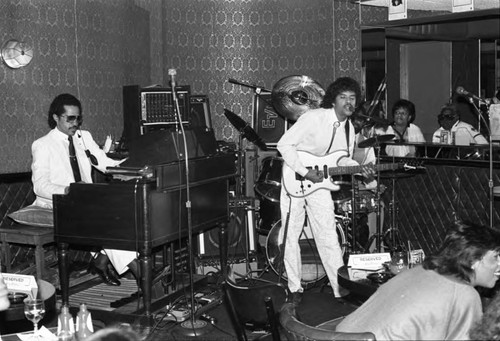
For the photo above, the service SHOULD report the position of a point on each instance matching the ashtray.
(16, 297)
(380, 277)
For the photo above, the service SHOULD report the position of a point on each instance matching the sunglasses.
(73, 118)
(448, 117)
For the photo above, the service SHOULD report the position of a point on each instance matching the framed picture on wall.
(462, 6)
(398, 9)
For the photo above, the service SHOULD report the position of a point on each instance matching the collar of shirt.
(60, 135)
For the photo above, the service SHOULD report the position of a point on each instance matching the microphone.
(172, 73)
(461, 91)
(92, 158)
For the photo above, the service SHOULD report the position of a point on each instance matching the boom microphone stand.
(490, 142)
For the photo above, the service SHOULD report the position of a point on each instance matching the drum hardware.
(376, 142)
(312, 268)
(239, 201)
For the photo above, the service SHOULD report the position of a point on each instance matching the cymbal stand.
(393, 230)
(378, 234)
(241, 202)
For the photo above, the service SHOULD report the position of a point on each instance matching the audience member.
(450, 124)
(403, 112)
(435, 301)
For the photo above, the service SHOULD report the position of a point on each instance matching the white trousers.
(120, 259)
(321, 220)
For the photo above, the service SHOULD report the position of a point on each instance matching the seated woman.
(403, 113)
(435, 301)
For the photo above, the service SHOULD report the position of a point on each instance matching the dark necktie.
(73, 160)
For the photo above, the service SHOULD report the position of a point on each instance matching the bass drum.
(312, 269)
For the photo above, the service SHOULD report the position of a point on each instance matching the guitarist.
(318, 131)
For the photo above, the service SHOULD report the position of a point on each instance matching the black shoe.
(104, 274)
(296, 298)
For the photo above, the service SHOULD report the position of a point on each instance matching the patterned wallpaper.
(87, 48)
(91, 48)
(257, 43)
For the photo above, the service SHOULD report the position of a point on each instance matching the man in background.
(453, 128)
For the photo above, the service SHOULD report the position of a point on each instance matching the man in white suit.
(52, 172)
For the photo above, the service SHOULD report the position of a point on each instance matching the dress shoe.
(104, 274)
(112, 272)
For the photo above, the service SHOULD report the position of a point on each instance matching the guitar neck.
(358, 169)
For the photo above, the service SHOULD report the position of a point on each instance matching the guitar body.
(300, 188)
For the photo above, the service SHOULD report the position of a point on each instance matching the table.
(356, 282)
(14, 337)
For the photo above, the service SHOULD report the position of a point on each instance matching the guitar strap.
(347, 131)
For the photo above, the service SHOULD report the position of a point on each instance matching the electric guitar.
(299, 187)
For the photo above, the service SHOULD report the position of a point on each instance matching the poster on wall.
(398, 9)
(462, 6)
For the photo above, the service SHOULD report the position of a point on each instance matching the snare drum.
(365, 203)
(269, 183)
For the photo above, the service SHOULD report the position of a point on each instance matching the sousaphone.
(293, 95)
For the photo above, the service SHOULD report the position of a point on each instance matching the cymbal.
(376, 140)
(293, 95)
(245, 129)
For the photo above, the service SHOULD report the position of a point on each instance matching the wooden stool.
(26, 235)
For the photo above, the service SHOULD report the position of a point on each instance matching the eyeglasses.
(447, 117)
(401, 113)
(73, 118)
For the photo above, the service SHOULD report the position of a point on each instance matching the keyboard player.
(67, 154)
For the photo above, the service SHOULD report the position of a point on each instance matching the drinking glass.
(399, 262)
(34, 310)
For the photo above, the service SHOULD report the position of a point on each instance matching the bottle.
(84, 327)
(65, 326)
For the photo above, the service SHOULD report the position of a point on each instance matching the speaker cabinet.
(240, 233)
(267, 123)
(200, 111)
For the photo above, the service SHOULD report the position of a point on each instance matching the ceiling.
(432, 5)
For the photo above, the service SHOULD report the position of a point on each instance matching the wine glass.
(34, 309)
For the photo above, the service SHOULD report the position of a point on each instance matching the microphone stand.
(192, 323)
(490, 142)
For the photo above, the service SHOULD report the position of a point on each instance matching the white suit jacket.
(51, 169)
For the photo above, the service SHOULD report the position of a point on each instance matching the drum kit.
(291, 97)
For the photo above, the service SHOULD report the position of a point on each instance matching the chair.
(294, 329)
(254, 305)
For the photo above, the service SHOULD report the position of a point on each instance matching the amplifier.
(150, 109)
(240, 232)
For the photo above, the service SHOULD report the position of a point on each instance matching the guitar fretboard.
(357, 169)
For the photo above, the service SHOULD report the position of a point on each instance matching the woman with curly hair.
(435, 301)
